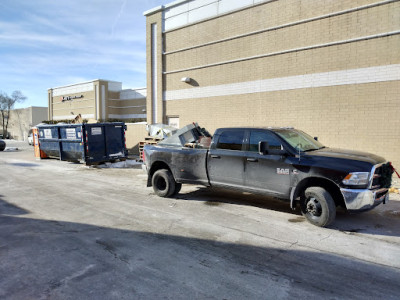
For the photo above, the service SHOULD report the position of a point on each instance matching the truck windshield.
(299, 140)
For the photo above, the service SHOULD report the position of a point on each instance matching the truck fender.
(326, 183)
(157, 165)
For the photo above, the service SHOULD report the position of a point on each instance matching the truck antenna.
(298, 145)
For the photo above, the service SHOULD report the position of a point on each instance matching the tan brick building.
(97, 100)
(330, 68)
(23, 119)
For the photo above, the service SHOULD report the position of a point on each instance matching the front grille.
(382, 177)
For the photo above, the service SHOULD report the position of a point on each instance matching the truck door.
(268, 173)
(226, 160)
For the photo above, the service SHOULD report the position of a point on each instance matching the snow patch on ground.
(129, 163)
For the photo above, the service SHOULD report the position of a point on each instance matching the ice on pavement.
(129, 163)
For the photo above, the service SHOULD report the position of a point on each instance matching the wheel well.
(330, 186)
(158, 165)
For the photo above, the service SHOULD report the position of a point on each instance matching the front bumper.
(360, 200)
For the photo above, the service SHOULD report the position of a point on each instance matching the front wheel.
(163, 183)
(318, 206)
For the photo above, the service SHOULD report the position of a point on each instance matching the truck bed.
(188, 165)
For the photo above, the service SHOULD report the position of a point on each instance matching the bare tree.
(3, 109)
(6, 105)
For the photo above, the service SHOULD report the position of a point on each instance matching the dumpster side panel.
(105, 142)
(71, 143)
(50, 148)
(96, 146)
(115, 139)
(48, 140)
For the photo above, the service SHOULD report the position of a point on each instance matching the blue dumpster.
(105, 142)
(88, 143)
(49, 140)
(71, 142)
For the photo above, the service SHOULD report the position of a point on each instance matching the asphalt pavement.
(68, 231)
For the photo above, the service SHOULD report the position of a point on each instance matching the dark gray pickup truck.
(282, 162)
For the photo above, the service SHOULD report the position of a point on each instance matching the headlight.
(356, 178)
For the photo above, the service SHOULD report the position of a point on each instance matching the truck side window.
(231, 140)
(258, 136)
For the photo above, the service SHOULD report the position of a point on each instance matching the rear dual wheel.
(164, 184)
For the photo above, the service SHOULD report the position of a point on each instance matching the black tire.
(163, 183)
(318, 206)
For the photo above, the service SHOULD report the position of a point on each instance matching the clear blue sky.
(50, 43)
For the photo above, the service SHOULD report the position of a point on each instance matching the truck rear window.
(231, 140)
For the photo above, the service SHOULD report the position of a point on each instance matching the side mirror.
(263, 148)
(316, 138)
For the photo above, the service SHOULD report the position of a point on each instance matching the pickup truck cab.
(281, 162)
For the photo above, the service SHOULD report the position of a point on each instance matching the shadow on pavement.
(10, 209)
(25, 165)
(217, 196)
(383, 220)
(42, 259)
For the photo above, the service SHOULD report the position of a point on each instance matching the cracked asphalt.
(68, 231)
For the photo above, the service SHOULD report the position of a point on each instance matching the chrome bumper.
(359, 200)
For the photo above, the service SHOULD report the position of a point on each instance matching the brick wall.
(333, 68)
(136, 132)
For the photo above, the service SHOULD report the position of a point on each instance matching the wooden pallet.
(152, 139)
(147, 141)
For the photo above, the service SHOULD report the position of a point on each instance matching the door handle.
(215, 156)
(252, 159)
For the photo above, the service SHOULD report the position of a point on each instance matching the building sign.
(67, 98)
